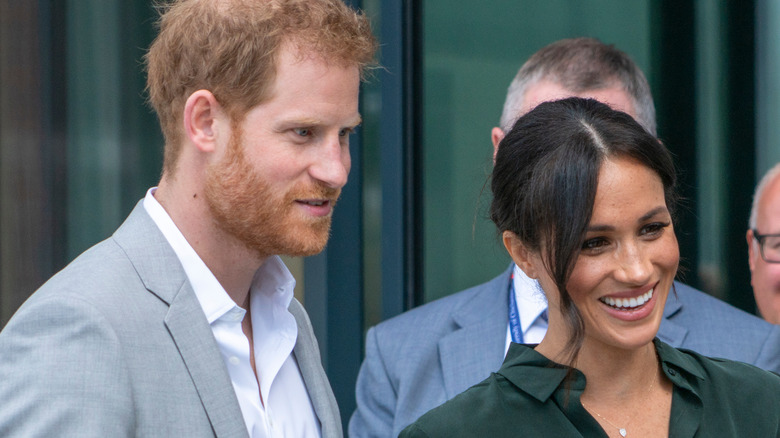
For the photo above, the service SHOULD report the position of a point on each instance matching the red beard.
(243, 205)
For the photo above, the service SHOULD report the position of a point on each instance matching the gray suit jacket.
(424, 357)
(117, 345)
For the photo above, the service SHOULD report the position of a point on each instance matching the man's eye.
(345, 132)
(303, 132)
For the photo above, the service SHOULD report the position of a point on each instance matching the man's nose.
(332, 164)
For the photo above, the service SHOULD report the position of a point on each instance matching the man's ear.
(752, 250)
(521, 255)
(200, 119)
(496, 135)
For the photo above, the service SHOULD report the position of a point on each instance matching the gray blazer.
(116, 344)
(424, 357)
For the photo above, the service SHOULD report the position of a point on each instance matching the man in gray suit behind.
(424, 357)
(183, 323)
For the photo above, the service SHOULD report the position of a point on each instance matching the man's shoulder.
(709, 326)
(706, 308)
(107, 272)
(97, 265)
(439, 313)
(101, 283)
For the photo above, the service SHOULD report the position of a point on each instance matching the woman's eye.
(594, 244)
(654, 228)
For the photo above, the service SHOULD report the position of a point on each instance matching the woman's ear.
(521, 255)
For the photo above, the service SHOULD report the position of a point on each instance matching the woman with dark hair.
(583, 198)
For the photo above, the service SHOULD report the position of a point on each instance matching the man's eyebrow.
(357, 120)
(304, 121)
(307, 121)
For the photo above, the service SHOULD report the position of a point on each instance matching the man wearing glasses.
(763, 238)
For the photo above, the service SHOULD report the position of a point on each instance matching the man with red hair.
(183, 323)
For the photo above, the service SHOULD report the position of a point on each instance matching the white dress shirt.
(531, 304)
(285, 409)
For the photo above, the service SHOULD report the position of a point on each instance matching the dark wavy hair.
(545, 178)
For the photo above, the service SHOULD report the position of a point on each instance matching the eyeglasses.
(770, 246)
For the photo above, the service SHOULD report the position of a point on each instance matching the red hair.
(230, 47)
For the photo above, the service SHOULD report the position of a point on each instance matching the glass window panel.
(471, 53)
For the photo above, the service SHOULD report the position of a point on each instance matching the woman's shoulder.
(732, 398)
(515, 399)
(468, 413)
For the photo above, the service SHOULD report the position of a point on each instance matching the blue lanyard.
(514, 315)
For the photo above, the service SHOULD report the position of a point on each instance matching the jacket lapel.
(476, 347)
(307, 354)
(162, 274)
(671, 332)
(193, 336)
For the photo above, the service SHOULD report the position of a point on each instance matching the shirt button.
(672, 372)
(234, 360)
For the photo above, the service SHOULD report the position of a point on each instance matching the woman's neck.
(625, 390)
(617, 375)
(610, 371)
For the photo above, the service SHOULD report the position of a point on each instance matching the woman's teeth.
(627, 303)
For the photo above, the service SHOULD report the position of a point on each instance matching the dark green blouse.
(527, 397)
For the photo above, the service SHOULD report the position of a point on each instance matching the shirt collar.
(680, 368)
(535, 374)
(539, 377)
(274, 282)
(531, 301)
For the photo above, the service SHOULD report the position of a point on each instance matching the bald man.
(763, 239)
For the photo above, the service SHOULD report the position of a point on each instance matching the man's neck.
(229, 260)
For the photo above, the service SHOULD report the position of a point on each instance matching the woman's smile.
(627, 303)
(630, 308)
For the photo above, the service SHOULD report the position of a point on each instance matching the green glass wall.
(471, 53)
